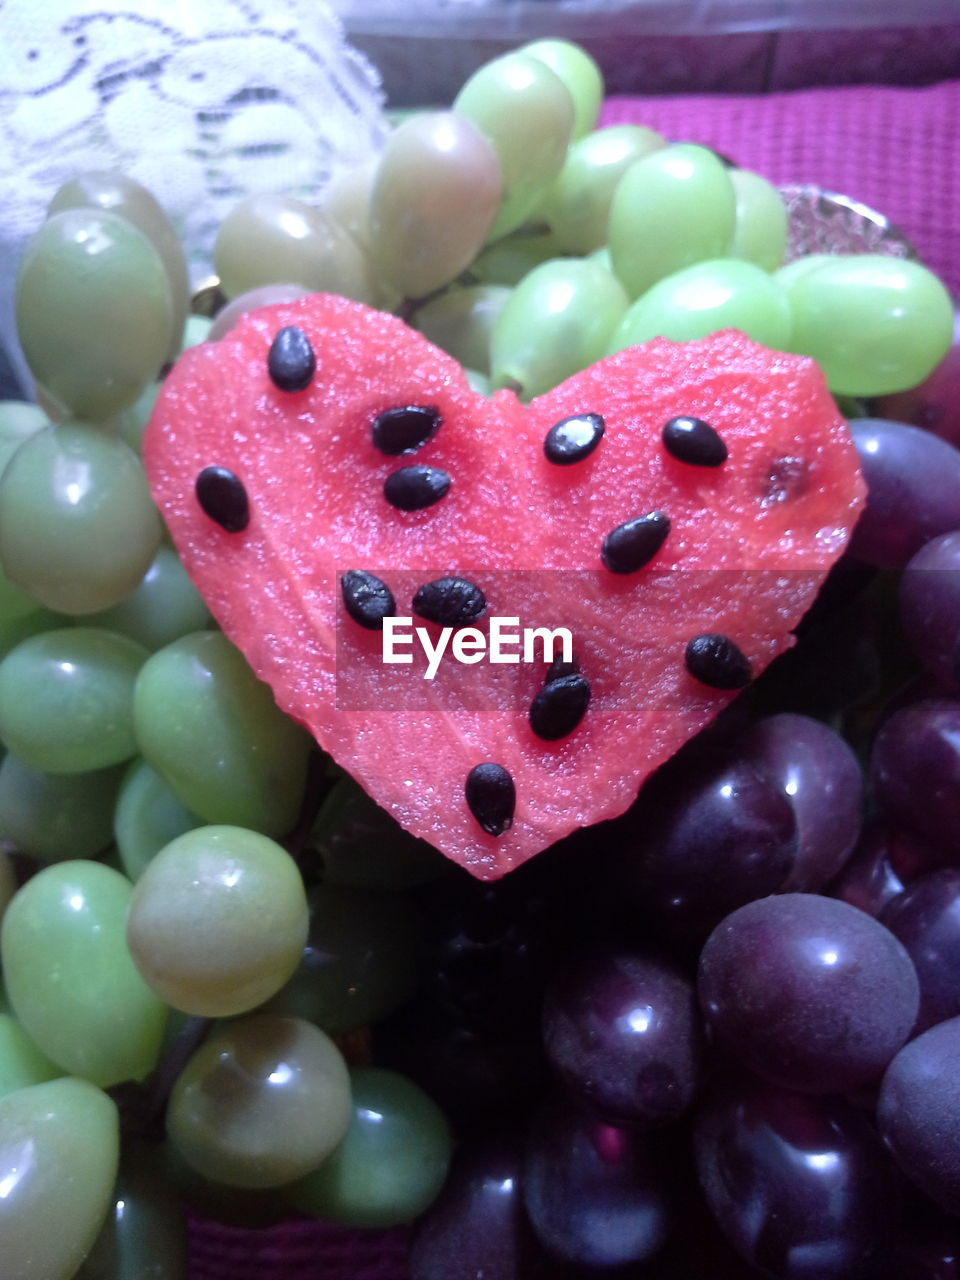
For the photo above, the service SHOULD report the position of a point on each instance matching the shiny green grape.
(479, 382)
(94, 312)
(70, 978)
(212, 730)
(510, 259)
(218, 921)
(21, 1062)
(670, 209)
(262, 1102)
(56, 816)
(147, 817)
(162, 608)
(558, 320)
(196, 330)
(392, 1163)
(760, 230)
(527, 112)
(132, 421)
(787, 275)
(59, 1148)
(577, 206)
(578, 72)
(267, 295)
(66, 699)
(16, 630)
(19, 420)
(723, 294)
(461, 321)
(346, 199)
(434, 199)
(78, 527)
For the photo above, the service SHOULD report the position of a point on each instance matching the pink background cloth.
(897, 150)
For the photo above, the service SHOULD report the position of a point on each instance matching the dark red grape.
(915, 767)
(808, 992)
(872, 877)
(926, 919)
(623, 1032)
(930, 607)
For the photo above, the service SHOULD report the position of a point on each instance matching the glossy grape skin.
(800, 1186)
(873, 876)
(462, 321)
(808, 992)
(913, 491)
(623, 1032)
(147, 817)
(578, 72)
(54, 816)
(58, 1159)
(820, 777)
(266, 295)
(596, 1195)
(930, 607)
(19, 420)
(935, 403)
(918, 1112)
(164, 606)
(70, 978)
(390, 1164)
(915, 768)
(926, 919)
(760, 230)
(21, 1063)
(218, 920)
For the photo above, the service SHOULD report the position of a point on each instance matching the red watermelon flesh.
(749, 544)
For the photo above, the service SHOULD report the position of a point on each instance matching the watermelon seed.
(633, 544)
(694, 441)
(367, 599)
(451, 602)
(715, 660)
(291, 362)
(405, 428)
(573, 439)
(223, 498)
(558, 669)
(559, 707)
(491, 797)
(413, 488)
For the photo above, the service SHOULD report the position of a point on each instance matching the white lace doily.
(203, 101)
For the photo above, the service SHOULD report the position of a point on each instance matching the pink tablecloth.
(897, 150)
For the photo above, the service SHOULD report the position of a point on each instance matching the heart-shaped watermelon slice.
(294, 409)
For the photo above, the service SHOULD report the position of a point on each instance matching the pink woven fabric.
(897, 150)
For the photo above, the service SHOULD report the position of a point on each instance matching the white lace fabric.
(203, 101)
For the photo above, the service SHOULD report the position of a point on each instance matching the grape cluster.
(718, 1035)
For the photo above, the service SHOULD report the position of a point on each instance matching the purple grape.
(820, 778)
(930, 607)
(926, 919)
(801, 1186)
(919, 1112)
(913, 483)
(597, 1196)
(872, 877)
(808, 992)
(623, 1032)
(929, 1243)
(915, 767)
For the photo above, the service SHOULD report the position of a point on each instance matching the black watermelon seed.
(405, 428)
(491, 797)
(573, 439)
(291, 363)
(413, 488)
(222, 496)
(715, 660)
(368, 600)
(558, 669)
(451, 602)
(694, 441)
(559, 707)
(632, 545)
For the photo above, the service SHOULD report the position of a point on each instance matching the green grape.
(760, 230)
(235, 1206)
(479, 382)
(59, 1148)
(670, 209)
(786, 276)
(601, 257)
(56, 816)
(21, 1062)
(14, 603)
(94, 313)
(218, 921)
(266, 296)
(434, 199)
(262, 1102)
(196, 330)
(359, 961)
(16, 630)
(19, 420)
(147, 817)
(873, 323)
(509, 260)
(118, 194)
(724, 294)
(581, 75)
(272, 239)
(577, 206)
(558, 320)
(212, 730)
(66, 699)
(78, 527)
(71, 980)
(165, 606)
(461, 321)
(527, 112)
(392, 1163)
(132, 421)
(8, 882)
(346, 199)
